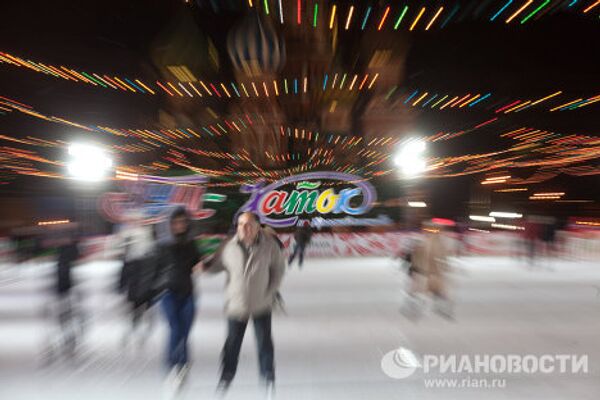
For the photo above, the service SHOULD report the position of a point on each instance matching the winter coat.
(141, 275)
(139, 261)
(67, 255)
(302, 236)
(136, 241)
(177, 257)
(430, 257)
(253, 275)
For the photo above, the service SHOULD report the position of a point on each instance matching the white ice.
(342, 317)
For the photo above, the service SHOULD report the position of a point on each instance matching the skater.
(177, 259)
(302, 237)
(531, 235)
(431, 260)
(139, 258)
(413, 306)
(254, 265)
(68, 302)
(461, 236)
(548, 239)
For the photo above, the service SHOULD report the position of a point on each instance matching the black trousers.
(235, 336)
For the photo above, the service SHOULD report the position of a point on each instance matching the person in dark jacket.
(177, 259)
(68, 254)
(302, 237)
(70, 319)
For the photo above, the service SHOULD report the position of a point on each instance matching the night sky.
(471, 55)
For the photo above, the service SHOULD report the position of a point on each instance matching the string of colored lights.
(486, 162)
(288, 87)
(236, 124)
(482, 163)
(261, 174)
(556, 150)
(329, 139)
(479, 163)
(451, 135)
(560, 147)
(28, 169)
(386, 15)
(193, 89)
(419, 98)
(142, 147)
(527, 134)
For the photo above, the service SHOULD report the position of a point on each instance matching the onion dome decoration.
(255, 47)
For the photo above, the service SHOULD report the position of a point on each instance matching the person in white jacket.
(137, 245)
(254, 264)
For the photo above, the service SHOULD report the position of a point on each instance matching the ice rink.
(342, 317)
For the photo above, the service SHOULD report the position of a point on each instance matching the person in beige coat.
(254, 264)
(431, 261)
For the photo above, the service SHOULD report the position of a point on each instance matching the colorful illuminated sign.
(155, 197)
(281, 208)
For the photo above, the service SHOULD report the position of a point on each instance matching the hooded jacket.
(253, 275)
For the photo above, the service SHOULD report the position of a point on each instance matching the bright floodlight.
(87, 162)
(417, 204)
(411, 158)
